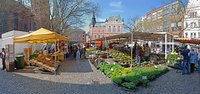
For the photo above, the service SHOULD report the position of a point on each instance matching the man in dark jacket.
(3, 57)
(186, 59)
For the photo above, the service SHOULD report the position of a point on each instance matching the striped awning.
(188, 40)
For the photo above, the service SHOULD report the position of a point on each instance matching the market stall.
(188, 40)
(131, 37)
(42, 60)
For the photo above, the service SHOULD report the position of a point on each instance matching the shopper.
(147, 52)
(138, 54)
(3, 57)
(199, 60)
(186, 59)
(78, 54)
(193, 59)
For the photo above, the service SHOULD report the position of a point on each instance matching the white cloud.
(116, 4)
(101, 19)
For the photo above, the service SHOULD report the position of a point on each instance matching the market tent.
(144, 36)
(188, 40)
(40, 36)
(138, 35)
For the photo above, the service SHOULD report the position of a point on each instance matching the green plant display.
(130, 78)
(172, 57)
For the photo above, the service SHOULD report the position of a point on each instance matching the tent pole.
(165, 46)
(173, 44)
(131, 49)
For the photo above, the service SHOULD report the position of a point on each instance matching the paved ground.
(76, 77)
(81, 77)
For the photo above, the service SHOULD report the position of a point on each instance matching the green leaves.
(129, 78)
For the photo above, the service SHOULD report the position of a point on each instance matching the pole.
(173, 44)
(165, 46)
(131, 49)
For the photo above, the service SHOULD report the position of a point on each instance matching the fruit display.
(46, 63)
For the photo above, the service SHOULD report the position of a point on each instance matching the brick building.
(112, 26)
(14, 16)
(41, 12)
(167, 18)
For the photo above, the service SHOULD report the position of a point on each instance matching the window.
(98, 30)
(15, 21)
(109, 29)
(186, 24)
(193, 15)
(114, 29)
(199, 34)
(195, 24)
(99, 36)
(191, 24)
(191, 35)
(186, 35)
(118, 29)
(102, 30)
(199, 23)
(194, 35)
(4, 22)
(95, 36)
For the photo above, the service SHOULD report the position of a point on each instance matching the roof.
(138, 35)
(188, 40)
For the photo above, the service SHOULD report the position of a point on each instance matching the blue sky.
(127, 8)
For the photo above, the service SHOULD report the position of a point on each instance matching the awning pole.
(173, 44)
(165, 46)
(131, 49)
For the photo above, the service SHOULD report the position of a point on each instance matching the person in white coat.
(78, 54)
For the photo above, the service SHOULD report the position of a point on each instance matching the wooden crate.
(27, 53)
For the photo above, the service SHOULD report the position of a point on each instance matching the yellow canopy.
(40, 36)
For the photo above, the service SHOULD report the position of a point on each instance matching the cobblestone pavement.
(81, 77)
(76, 77)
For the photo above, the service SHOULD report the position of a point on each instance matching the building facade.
(192, 20)
(76, 35)
(112, 26)
(41, 12)
(168, 18)
(14, 16)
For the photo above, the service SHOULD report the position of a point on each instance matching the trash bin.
(20, 61)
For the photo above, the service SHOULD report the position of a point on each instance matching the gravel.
(81, 77)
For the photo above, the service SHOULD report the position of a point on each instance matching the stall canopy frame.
(144, 36)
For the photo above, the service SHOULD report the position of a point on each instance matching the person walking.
(193, 59)
(147, 52)
(186, 59)
(78, 54)
(3, 57)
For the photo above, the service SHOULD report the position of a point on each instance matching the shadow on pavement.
(17, 84)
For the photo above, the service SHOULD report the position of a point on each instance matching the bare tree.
(67, 14)
(134, 25)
